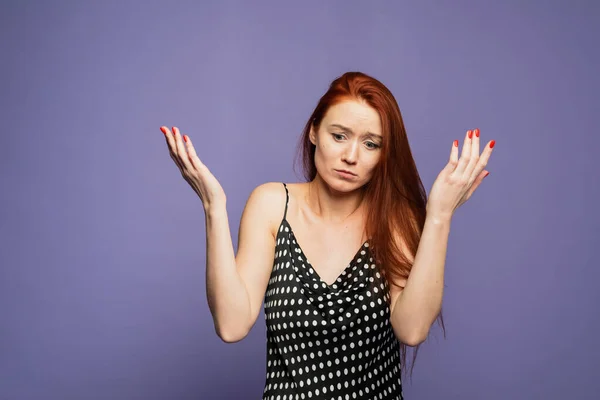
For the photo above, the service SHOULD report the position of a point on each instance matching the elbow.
(411, 331)
(412, 337)
(230, 338)
(231, 327)
(231, 335)
(413, 340)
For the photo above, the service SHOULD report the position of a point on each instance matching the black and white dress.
(328, 341)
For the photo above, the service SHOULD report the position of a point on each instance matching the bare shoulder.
(268, 199)
(296, 190)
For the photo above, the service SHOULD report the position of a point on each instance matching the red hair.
(395, 196)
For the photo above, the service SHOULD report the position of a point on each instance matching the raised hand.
(460, 178)
(192, 169)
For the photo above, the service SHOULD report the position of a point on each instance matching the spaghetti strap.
(287, 198)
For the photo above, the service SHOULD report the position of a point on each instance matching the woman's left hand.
(459, 179)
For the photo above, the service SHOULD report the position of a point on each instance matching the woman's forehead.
(354, 117)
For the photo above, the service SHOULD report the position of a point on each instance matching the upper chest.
(329, 264)
(328, 248)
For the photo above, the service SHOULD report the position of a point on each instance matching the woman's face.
(349, 138)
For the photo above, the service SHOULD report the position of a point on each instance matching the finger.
(182, 154)
(485, 156)
(453, 161)
(194, 159)
(465, 155)
(454, 153)
(473, 156)
(169, 138)
(171, 144)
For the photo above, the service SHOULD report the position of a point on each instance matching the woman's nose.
(351, 152)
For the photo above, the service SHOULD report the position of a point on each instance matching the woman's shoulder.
(272, 192)
(269, 200)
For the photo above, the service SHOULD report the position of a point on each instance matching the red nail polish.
(456, 143)
(477, 132)
(492, 144)
(470, 134)
(185, 138)
(173, 129)
(162, 128)
(486, 174)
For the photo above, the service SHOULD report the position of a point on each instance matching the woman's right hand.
(192, 169)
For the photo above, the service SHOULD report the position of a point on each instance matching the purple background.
(102, 290)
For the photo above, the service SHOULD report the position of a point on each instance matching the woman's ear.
(312, 135)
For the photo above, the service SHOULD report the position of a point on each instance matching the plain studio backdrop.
(102, 258)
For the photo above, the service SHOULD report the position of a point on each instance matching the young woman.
(350, 263)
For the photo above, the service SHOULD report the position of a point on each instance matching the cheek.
(321, 155)
(326, 151)
(371, 163)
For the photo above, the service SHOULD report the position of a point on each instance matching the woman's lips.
(345, 174)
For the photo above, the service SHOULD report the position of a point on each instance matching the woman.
(350, 264)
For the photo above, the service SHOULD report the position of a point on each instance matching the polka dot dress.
(328, 341)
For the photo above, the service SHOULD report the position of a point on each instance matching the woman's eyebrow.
(345, 128)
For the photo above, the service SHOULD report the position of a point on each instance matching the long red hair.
(395, 196)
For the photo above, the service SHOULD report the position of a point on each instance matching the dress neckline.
(329, 285)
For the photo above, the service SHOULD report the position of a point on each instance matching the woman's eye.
(370, 145)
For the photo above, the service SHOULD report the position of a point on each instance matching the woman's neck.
(333, 206)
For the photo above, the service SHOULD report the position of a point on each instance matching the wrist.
(438, 218)
(215, 210)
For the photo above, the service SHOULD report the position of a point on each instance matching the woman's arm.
(415, 307)
(235, 285)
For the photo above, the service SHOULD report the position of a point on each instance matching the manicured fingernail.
(185, 138)
(173, 130)
(470, 134)
(456, 143)
(163, 129)
(486, 174)
(477, 132)
(492, 144)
